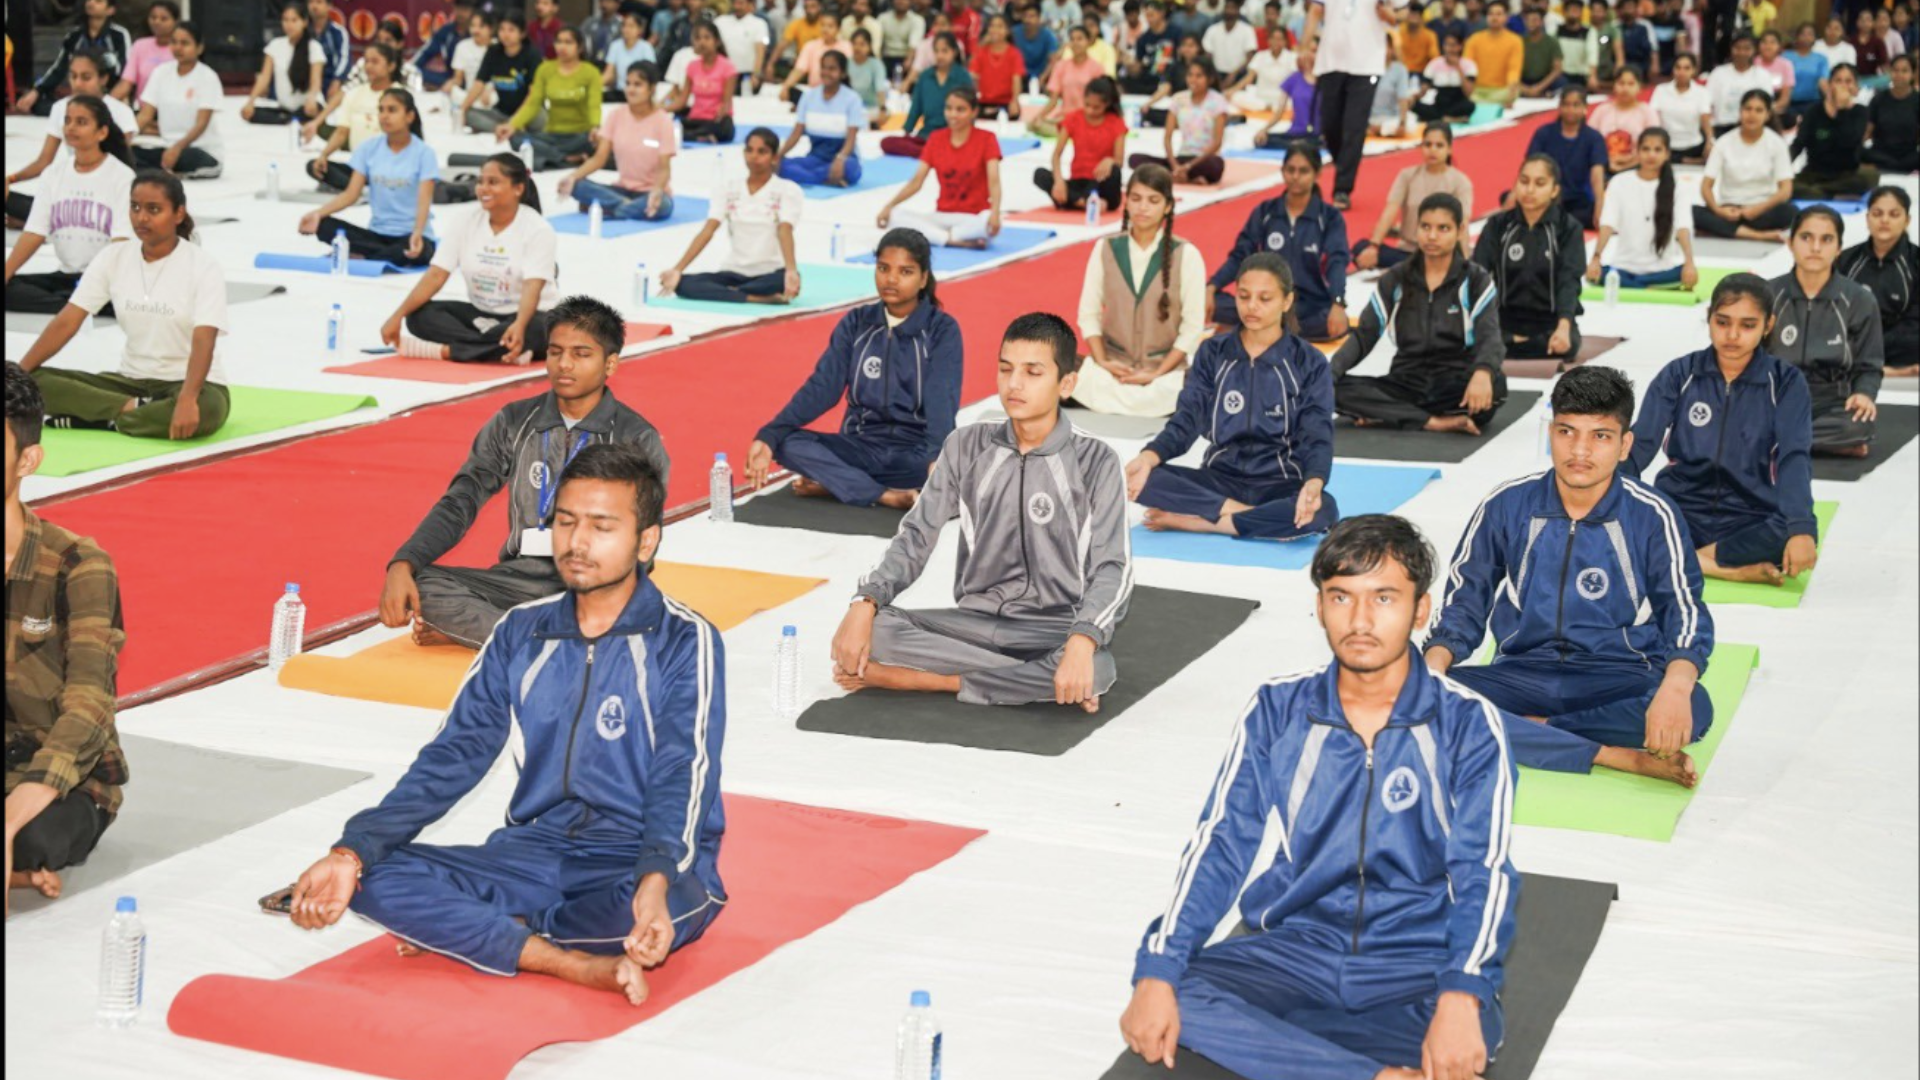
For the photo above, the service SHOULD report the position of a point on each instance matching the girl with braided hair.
(1143, 308)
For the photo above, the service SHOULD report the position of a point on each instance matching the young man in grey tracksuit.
(1045, 567)
(524, 448)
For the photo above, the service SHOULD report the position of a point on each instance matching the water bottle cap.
(789, 630)
(126, 903)
(293, 586)
(921, 999)
(720, 458)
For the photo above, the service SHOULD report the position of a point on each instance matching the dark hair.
(193, 30)
(514, 167)
(1688, 57)
(170, 6)
(1205, 67)
(1104, 88)
(1081, 27)
(946, 37)
(1445, 131)
(1591, 390)
(1762, 96)
(836, 58)
(1848, 68)
(514, 19)
(862, 35)
(26, 409)
(1735, 287)
(1571, 91)
(1046, 328)
(1663, 190)
(967, 94)
(1903, 58)
(914, 244)
(1888, 191)
(405, 98)
(765, 136)
(394, 28)
(621, 464)
(592, 318)
(175, 192)
(1306, 150)
(706, 24)
(579, 43)
(1818, 210)
(1553, 167)
(300, 73)
(388, 53)
(91, 56)
(1269, 262)
(1359, 545)
(1160, 179)
(1445, 203)
(646, 69)
(1745, 36)
(115, 144)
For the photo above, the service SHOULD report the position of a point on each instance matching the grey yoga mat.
(1591, 348)
(182, 797)
(1896, 426)
(781, 508)
(1560, 923)
(1164, 631)
(1392, 444)
(238, 292)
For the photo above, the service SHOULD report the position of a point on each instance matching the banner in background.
(361, 17)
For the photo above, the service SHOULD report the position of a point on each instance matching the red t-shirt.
(1092, 143)
(997, 76)
(966, 29)
(961, 170)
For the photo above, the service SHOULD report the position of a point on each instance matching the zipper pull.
(590, 653)
(1369, 759)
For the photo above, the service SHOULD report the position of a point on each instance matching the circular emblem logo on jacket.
(1402, 790)
(1234, 402)
(1040, 507)
(611, 720)
(1700, 414)
(537, 475)
(1517, 252)
(1276, 240)
(1789, 335)
(1592, 583)
(870, 367)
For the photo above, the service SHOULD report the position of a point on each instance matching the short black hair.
(592, 318)
(1595, 391)
(26, 409)
(624, 465)
(1046, 328)
(1358, 545)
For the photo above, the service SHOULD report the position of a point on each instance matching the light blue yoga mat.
(1359, 489)
(1012, 240)
(1845, 206)
(685, 209)
(323, 264)
(875, 173)
(1017, 144)
(820, 286)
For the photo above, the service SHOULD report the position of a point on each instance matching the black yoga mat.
(1560, 923)
(781, 508)
(1164, 631)
(1896, 426)
(1591, 348)
(1392, 444)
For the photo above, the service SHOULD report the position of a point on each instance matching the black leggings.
(272, 116)
(1708, 223)
(1078, 190)
(331, 174)
(193, 163)
(43, 294)
(729, 287)
(472, 335)
(710, 131)
(367, 244)
(1449, 103)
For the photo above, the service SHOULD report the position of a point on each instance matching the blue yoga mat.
(323, 264)
(685, 209)
(1012, 240)
(1360, 489)
(1017, 144)
(1846, 207)
(820, 286)
(875, 173)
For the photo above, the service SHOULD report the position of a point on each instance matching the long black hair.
(115, 143)
(914, 244)
(174, 190)
(299, 72)
(388, 53)
(405, 98)
(1662, 192)
(1157, 178)
(515, 169)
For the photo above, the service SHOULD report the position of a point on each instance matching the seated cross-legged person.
(504, 253)
(352, 116)
(608, 861)
(82, 208)
(170, 298)
(760, 210)
(397, 171)
(1098, 138)
(1651, 217)
(565, 97)
(1588, 581)
(1747, 193)
(1143, 307)
(64, 765)
(1436, 173)
(524, 449)
(1736, 424)
(964, 160)
(638, 140)
(1392, 972)
(1833, 136)
(1828, 325)
(1195, 130)
(897, 364)
(1264, 399)
(1536, 251)
(831, 117)
(1446, 333)
(1304, 228)
(1888, 264)
(86, 78)
(1044, 570)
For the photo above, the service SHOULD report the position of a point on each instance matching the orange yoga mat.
(399, 672)
(447, 371)
(789, 869)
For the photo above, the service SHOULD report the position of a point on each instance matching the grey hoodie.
(1833, 337)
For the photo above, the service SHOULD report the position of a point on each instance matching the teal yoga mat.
(1359, 489)
(820, 286)
(255, 411)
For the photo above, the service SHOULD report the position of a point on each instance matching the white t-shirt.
(1680, 113)
(1744, 174)
(1836, 54)
(495, 266)
(81, 213)
(466, 60)
(1727, 87)
(359, 113)
(177, 100)
(280, 51)
(740, 35)
(753, 221)
(1229, 48)
(1352, 37)
(1629, 213)
(158, 304)
(122, 113)
(1269, 71)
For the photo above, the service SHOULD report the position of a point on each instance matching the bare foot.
(899, 499)
(1678, 769)
(632, 980)
(974, 245)
(1760, 573)
(1905, 371)
(888, 677)
(407, 949)
(616, 973)
(44, 882)
(1163, 521)
(1461, 425)
(810, 489)
(1090, 705)
(425, 635)
(1843, 451)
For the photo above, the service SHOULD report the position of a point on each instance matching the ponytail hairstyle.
(175, 192)
(1663, 193)
(1743, 286)
(1274, 263)
(945, 37)
(914, 244)
(1302, 149)
(114, 144)
(1107, 90)
(93, 58)
(1761, 96)
(1157, 179)
(514, 168)
(405, 98)
(649, 73)
(1821, 210)
(1888, 191)
(706, 26)
(300, 73)
(1445, 131)
(1552, 166)
(761, 135)
(193, 31)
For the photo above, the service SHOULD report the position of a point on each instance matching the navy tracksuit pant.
(1586, 707)
(854, 471)
(1178, 489)
(1273, 1006)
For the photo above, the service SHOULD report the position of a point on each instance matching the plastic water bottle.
(595, 216)
(916, 1047)
(1613, 288)
(526, 153)
(786, 674)
(1093, 208)
(289, 627)
(1544, 410)
(293, 134)
(336, 330)
(642, 286)
(123, 966)
(273, 181)
(342, 255)
(834, 250)
(720, 490)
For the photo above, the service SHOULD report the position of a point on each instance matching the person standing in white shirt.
(745, 36)
(81, 209)
(1349, 66)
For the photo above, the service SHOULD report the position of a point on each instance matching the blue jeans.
(619, 203)
(812, 168)
(1631, 280)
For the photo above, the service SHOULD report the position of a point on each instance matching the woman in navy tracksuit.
(898, 365)
(1264, 399)
(1736, 423)
(1311, 235)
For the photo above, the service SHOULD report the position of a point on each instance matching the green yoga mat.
(820, 286)
(1605, 801)
(1596, 295)
(1785, 595)
(255, 411)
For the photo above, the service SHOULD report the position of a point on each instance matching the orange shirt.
(1418, 46)
(1497, 56)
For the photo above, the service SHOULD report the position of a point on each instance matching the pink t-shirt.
(1069, 82)
(1622, 127)
(707, 85)
(146, 55)
(639, 145)
(810, 54)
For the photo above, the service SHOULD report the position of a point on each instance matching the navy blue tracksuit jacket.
(1316, 250)
(1267, 419)
(901, 384)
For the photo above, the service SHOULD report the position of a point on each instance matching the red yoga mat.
(459, 374)
(790, 870)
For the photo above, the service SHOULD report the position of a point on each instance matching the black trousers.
(1386, 400)
(20, 31)
(1449, 103)
(1529, 333)
(194, 163)
(43, 294)
(1708, 223)
(19, 205)
(1345, 102)
(367, 244)
(729, 287)
(333, 174)
(472, 335)
(64, 834)
(709, 131)
(1078, 190)
(271, 116)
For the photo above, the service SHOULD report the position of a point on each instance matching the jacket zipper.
(566, 769)
(1560, 611)
(1360, 900)
(1719, 447)
(1026, 557)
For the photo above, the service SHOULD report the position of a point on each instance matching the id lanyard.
(549, 490)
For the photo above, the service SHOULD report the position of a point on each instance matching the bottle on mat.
(1613, 288)
(642, 286)
(720, 490)
(123, 966)
(273, 181)
(786, 674)
(336, 329)
(596, 216)
(289, 628)
(342, 255)
(916, 1046)
(1093, 208)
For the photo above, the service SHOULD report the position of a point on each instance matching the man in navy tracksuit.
(1589, 580)
(612, 699)
(898, 365)
(1313, 240)
(1373, 944)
